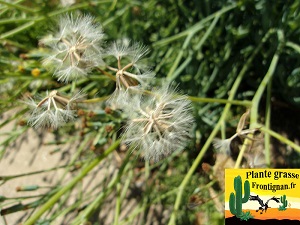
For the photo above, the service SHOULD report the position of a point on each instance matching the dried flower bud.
(206, 168)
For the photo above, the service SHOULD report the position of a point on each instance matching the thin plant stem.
(14, 20)
(79, 202)
(222, 101)
(280, 137)
(268, 125)
(21, 207)
(121, 196)
(244, 103)
(107, 74)
(118, 204)
(50, 203)
(84, 215)
(197, 27)
(208, 32)
(173, 73)
(94, 100)
(293, 45)
(225, 112)
(119, 13)
(41, 18)
(137, 211)
(257, 97)
(74, 158)
(258, 94)
(6, 178)
(65, 210)
(18, 6)
(4, 220)
(17, 30)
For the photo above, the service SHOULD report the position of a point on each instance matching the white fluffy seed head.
(159, 125)
(75, 48)
(132, 74)
(118, 49)
(127, 52)
(53, 110)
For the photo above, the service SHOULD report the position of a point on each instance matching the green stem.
(137, 211)
(41, 18)
(214, 132)
(257, 97)
(122, 195)
(197, 27)
(173, 73)
(222, 101)
(118, 205)
(176, 62)
(279, 137)
(49, 204)
(268, 125)
(93, 100)
(183, 65)
(110, 76)
(17, 30)
(6, 178)
(265, 81)
(84, 215)
(192, 98)
(14, 20)
(294, 46)
(17, 6)
(208, 32)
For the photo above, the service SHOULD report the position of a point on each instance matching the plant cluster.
(159, 122)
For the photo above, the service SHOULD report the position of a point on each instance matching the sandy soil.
(32, 153)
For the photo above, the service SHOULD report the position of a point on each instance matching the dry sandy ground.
(31, 153)
(28, 154)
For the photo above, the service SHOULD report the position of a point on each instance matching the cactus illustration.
(236, 200)
(284, 203)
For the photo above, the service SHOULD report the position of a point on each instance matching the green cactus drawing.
(236, 200)
(284, 203)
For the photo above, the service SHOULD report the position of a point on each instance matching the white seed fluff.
(75, 48)
(159, 125)
(52, 111)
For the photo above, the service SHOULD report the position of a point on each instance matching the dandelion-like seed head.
(52, 111)
(76, 47)
(128, 58)
(128, 54)
(159, 125)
